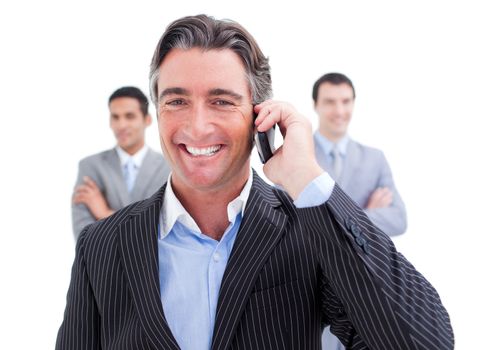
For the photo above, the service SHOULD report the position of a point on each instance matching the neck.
(330, 136)
(133, 149)
(208, 208)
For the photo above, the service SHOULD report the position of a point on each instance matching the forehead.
(196, 69)
(333, 91)
(124, 103)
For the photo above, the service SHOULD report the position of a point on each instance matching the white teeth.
(207, 151)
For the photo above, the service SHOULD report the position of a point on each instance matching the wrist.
(300, 179)
(104, 213)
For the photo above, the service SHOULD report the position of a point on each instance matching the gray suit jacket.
(365, 169)
(104, 168)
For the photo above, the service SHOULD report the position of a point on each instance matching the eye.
(175, 102)
(222, 103)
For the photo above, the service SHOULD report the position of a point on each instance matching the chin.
(203, 179)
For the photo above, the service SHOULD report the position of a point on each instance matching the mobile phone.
(264, 141)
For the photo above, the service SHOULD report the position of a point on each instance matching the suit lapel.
(145, 174)
(352, 158)
(261, 228)
(139, 252)
(116, 177)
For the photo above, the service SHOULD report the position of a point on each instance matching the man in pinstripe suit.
(218, 259)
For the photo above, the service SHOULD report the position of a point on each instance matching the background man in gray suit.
(362, 172)
(109, 180)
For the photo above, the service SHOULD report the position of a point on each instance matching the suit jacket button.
(350, 223)
(366, 248)
(360, 241)
(356, 231)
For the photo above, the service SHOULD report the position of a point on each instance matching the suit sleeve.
(81, 324)
(393, 219)
(371, 295)
(81, 215)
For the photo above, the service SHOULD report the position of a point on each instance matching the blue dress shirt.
(191, 264)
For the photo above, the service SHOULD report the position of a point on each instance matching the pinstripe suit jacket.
(291, 271)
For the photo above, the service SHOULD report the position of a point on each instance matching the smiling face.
(205, 119)
(128, 123)
(334, 107)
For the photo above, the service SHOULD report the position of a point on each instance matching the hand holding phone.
(294, 165)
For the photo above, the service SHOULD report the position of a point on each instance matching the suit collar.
(148, 170)
(262, 226)
(137, 158)
(327, 146)
(173, 211)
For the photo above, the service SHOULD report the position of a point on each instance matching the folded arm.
(385, 207)
(88, 202)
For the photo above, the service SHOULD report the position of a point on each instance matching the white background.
(415, 66)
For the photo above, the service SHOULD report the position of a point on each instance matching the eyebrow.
(174, 91)
(219, 92)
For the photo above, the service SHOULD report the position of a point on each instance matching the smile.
(207, 151)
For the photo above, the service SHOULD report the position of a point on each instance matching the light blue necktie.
(337, 161)
(130, 173)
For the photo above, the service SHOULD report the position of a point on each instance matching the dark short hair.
(133, 92)
(332, 78)
(207, 33)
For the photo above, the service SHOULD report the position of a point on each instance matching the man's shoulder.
(265, 192)
(157, 163)
(97, 157)
(368, 151)
(156, 156)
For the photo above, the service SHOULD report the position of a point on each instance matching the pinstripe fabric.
(291, 272)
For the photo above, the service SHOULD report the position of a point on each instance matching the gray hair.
(208, 33)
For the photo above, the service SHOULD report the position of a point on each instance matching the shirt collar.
(137, 157)
(173, 211)
(327, 145)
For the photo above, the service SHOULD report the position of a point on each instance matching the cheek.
(139, 128)
(165, 122)
(166, 132)
(244, 136)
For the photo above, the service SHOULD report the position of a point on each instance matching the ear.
(148, 120)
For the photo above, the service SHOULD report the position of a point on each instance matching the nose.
(200, 123)
(339, 108)
(119, 123)
(122, 123)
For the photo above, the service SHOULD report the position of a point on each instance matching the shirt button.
(216, 257)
